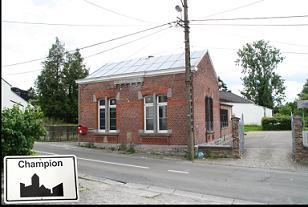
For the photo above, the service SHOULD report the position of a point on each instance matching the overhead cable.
(114, 12)
(250, 18)
(69, 25)
(95, 44)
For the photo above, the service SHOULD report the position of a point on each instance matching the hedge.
(277, 122)
(19, 129)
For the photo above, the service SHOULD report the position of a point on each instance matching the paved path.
(266, 149)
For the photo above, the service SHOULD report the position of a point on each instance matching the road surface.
(245, 183)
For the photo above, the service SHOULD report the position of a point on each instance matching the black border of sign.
(42, 200)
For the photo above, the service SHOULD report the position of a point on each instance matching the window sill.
(209, 132)
(96, 132)
(154, 134)
(226, 127)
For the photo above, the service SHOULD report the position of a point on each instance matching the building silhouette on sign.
(35, 190)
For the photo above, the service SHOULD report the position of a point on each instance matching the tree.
(50, 88)
(261, 84)
(222, 85)
(73, 69)
(303, 95)
(56, 88)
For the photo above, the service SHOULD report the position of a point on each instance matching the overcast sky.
(114, 18)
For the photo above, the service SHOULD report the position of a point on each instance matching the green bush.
(277, 122)
(19, 130)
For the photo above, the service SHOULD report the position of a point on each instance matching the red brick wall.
(205, 84)
(130, 111)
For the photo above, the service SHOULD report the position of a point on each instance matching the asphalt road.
(245, 183)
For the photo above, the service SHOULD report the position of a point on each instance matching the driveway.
(266, 149)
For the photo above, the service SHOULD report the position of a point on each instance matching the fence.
(57, 133)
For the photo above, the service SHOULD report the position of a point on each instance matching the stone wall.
(168, 150)
(301, 152)
(231, 150)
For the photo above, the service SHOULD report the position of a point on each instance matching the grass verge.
(251, 128)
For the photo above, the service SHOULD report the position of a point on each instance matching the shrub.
(277, 122)
(19, 130)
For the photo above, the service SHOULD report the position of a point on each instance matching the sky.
(24, 38)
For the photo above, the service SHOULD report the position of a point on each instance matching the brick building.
(143, 101)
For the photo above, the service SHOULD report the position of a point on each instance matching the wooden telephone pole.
(188, 81)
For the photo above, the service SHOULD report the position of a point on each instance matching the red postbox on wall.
(82, 130)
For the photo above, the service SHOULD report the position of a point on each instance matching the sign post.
(40, 179)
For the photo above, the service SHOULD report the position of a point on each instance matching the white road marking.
(50, 153)
(112, 163)
(176, 171)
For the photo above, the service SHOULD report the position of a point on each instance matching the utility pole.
(188, 81)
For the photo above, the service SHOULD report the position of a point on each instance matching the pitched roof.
(144, 66)
(225, 96)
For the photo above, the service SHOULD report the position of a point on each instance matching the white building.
(9, 98)
(253, 113)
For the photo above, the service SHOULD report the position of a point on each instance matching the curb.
(211, 199)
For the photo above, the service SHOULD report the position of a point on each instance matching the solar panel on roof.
(146, 64)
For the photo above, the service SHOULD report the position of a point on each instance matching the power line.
(255, 25)
(114, 12)
(93, 45)
(19, 73)
(127, 42)
(251, 18)
(70, 25)
(287, 52)
(148, 35)
(121, 37)
(145, 46)
(233, 9)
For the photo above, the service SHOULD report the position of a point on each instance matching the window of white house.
(149, 114)
(107, 115)
(102, 115)
(162, 113)
(112, 115)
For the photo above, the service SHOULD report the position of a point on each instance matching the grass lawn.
(250, 128)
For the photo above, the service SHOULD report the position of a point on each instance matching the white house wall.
(8, 97)
(253, 114)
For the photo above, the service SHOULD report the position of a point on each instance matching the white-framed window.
(155, 114)
(102, 115)
(149, 114)
(107, 115)
(112, 115)
(162, 114)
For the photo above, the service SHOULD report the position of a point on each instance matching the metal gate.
(241, 133)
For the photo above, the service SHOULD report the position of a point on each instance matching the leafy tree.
(303, 95)
(19, 130)
(56, 88)
(73, 69)
(287, 108)
(261, 84)
(222, 85)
